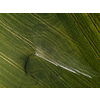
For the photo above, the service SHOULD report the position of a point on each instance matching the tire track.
(87, 39)
(52, 27)
(2, 86)
(22, 70)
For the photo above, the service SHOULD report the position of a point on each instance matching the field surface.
(49, 50)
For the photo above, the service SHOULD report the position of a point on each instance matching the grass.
(71, 40)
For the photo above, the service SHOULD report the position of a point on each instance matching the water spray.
(36, 54)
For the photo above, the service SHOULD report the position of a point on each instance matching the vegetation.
(69, 40)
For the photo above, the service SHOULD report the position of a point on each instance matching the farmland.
(68, 40)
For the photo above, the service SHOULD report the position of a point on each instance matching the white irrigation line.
(83, 73)
(48, 60)
(36, 54)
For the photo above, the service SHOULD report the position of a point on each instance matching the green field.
(68, 40)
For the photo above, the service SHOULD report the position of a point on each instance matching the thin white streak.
(57, 64)
(65, 67)
(47, 60)
(83, 73)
